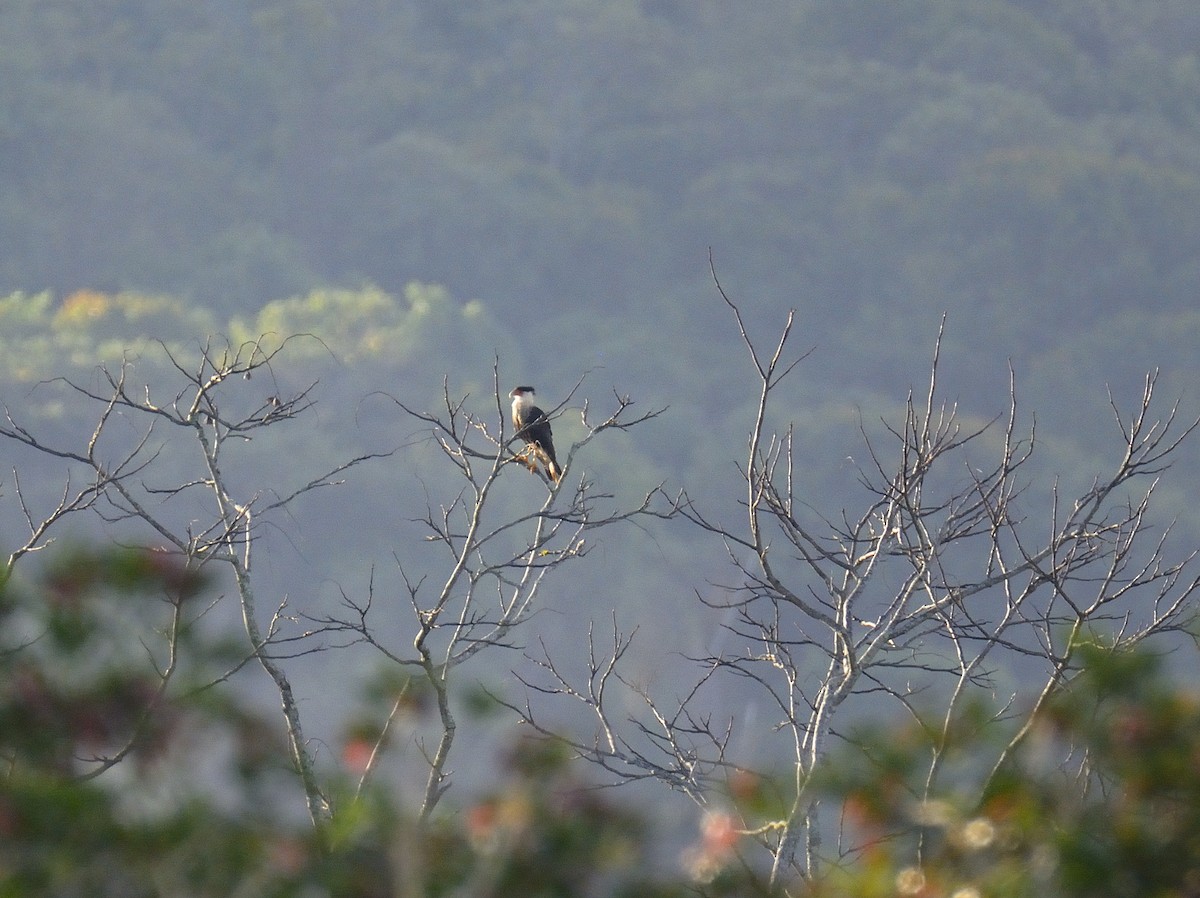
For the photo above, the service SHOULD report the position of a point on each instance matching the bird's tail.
(553, 470)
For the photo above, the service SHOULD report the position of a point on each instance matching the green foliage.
(123, 777)
(41, 337)
(99, 661)
(583, 155)
(1100, 798)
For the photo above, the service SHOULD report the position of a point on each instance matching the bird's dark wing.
(535, 428)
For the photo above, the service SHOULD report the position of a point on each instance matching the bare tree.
(161, 462)
(938, 579)
(496, 561)
(158, 456)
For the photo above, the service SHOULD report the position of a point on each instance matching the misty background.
(434, 190)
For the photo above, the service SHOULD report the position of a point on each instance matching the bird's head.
(519, 392)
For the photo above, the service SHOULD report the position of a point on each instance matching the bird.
(533, 427)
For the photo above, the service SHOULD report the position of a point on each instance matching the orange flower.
(356, 754)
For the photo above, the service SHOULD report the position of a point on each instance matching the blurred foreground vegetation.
(1103, 798)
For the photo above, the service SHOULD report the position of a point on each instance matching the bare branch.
(940, 576)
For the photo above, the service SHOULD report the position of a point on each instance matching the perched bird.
(533, 427)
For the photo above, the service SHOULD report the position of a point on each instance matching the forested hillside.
(1031, 169)
(432, 195)
(1012, 161)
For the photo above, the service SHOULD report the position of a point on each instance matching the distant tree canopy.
(1040, 156)
(43, 336)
